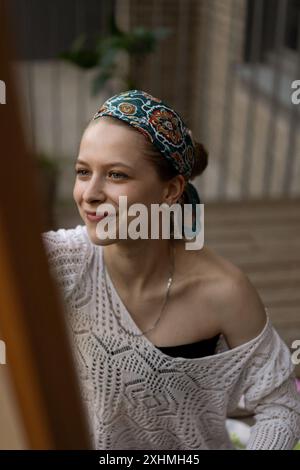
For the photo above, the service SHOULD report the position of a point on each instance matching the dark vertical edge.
(55, 16)
(227, 120)
(274, 105)
(254, 54)
(181, 57)
(30, 72)
(204, 82)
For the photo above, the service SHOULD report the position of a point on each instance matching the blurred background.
(227, 67)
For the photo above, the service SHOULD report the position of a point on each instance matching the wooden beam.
(31, 315)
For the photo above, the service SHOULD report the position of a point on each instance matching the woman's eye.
(117, 175)
(111, 174)
(79, 172)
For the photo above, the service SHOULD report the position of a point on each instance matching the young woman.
(167, 340)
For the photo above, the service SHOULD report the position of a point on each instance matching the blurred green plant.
(137, 44)
(48, 171)
(46, 162)
(236, 441)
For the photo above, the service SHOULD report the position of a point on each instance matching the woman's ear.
(174, 189)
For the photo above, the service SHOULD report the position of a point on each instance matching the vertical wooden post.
(31, 315)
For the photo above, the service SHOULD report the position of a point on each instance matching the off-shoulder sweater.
(138, 397)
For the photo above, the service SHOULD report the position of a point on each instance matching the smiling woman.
(167, 341)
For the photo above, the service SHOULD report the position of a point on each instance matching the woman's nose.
(94, 190)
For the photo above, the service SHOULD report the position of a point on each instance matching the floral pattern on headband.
(127, 108)
(158, 122)
(167, 124)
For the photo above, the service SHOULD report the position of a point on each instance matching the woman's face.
(111, 164)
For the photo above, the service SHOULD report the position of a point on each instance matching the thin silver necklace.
(169, 283)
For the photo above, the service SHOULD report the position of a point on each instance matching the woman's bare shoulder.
(232, 297)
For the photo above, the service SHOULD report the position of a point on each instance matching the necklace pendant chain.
(169, 283)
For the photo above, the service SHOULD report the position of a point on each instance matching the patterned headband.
(163, 127)
(158, 123)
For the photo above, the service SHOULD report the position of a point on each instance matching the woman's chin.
(99, 237)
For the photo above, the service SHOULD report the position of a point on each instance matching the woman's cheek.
(77, 191)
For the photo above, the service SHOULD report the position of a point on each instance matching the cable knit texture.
(137, 397)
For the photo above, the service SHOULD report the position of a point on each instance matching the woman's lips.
(96, 218)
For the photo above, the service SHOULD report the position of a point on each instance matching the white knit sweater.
(137, 397)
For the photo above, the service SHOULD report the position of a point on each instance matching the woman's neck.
(138, 264)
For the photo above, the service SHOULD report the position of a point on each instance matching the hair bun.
(201, 159)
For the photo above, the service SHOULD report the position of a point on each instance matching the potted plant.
(136, 44)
